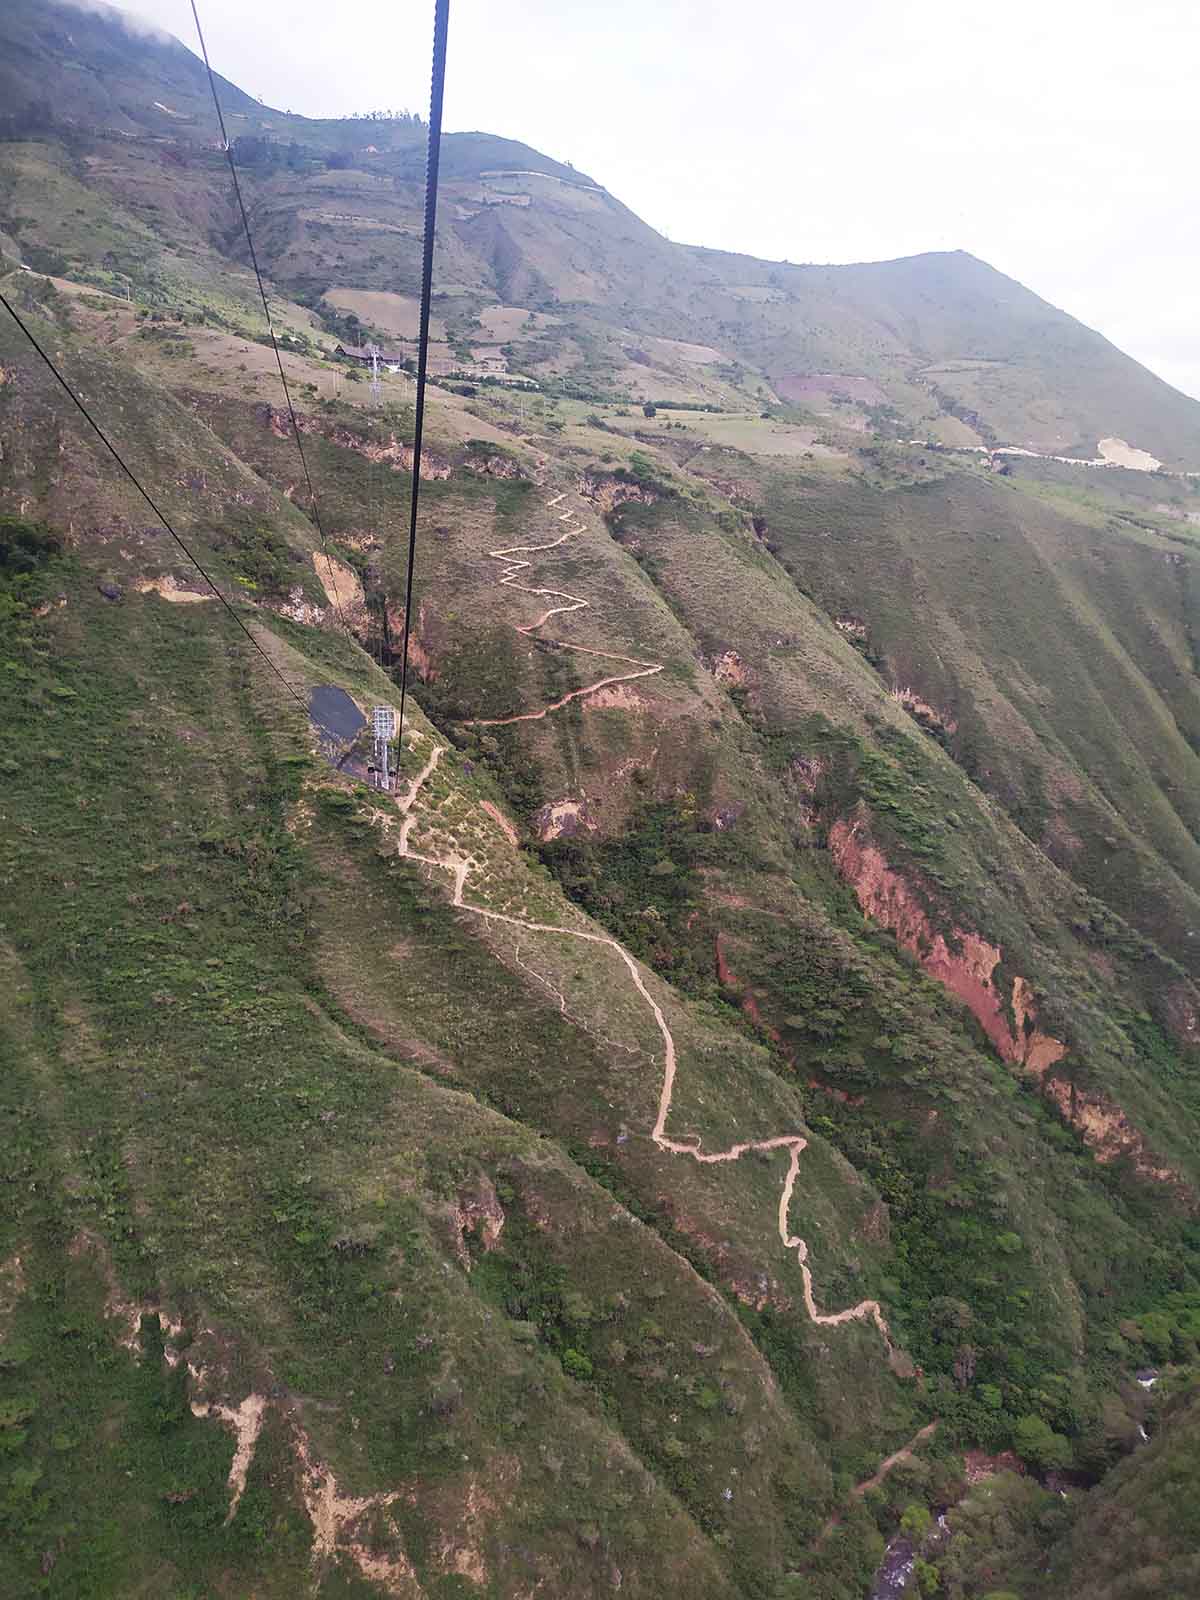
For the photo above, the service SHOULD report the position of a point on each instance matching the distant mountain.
(100, 68)
(940, 344)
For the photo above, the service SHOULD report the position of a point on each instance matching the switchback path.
(508, 579)
(793, 1143)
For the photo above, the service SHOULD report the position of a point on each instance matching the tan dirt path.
(793, 1143)
(508, 579)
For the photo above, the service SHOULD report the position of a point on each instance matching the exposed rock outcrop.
(607, 493)
(391, 453)
(493, 464)
(477, 1211)
(563, 819)
(729, 668)
(965, 964)
(922, 710)
(1105, 1128)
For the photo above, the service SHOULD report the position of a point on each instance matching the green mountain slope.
(761, 1030)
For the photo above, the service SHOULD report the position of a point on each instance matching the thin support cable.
(128, 471)
(441, 22)
(287, 393)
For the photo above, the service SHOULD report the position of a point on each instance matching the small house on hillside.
(362, 357)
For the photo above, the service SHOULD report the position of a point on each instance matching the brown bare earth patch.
(502, 822)
(980, 1466)
(616, 697)
(341, 1525)
(967, 971)
(343, 586)
(562, 819)
(1106, 1130)
(245, 1423)
(173, 589)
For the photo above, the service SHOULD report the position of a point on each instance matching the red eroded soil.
(968, 971)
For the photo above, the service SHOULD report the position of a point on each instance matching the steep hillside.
(95, 67)
(1135, 1534)
(743, 1087)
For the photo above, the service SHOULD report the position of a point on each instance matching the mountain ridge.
(983, 316)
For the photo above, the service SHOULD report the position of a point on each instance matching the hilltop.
(742, 1088)
(541, 267)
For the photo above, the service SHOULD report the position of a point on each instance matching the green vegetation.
(285, 1129)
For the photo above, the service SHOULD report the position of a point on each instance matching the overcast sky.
(1056, 139)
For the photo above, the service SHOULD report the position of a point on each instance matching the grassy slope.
(225, 1132)
(277, 1300)
(798, 671)
(328, 1183)
(1059, 646)
(185, 976)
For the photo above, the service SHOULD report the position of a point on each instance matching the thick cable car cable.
(441, 22)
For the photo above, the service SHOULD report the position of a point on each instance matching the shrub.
(1037, 1443)
(576, 1365)
(915, 1522)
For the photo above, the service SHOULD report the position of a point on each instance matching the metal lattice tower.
(376, 386)
(383, 720)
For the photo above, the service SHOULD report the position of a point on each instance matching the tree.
(928, 1578)
(915, 1522)
(576, 1365)
(1038, 1444)
(649, 409)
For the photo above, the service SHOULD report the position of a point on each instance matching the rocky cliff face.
(965, 962)
(390, 452)
(608, 492)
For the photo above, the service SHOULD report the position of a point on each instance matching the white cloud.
(141, 26)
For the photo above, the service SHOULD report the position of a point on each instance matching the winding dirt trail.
(793, 1143)
(905, 1453)
(508, 579)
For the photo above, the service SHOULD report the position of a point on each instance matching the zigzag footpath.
(794, 1143)
(508, 579)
